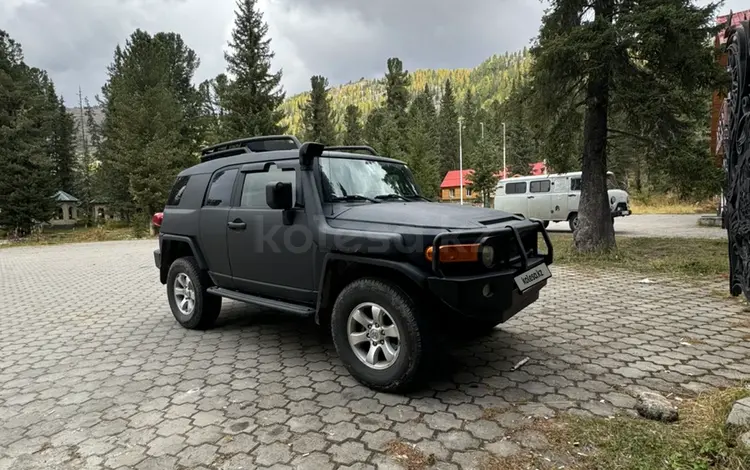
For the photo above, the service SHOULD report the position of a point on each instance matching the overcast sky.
(342, 39)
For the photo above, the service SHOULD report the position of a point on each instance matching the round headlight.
(488, 256)
(612, 200)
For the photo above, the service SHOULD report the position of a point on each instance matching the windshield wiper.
(417, 196)
(354, 197)
(391, 196)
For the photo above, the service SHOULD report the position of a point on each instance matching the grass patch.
(76, 235)
(669, 204)
(693, 257)
(699, 441)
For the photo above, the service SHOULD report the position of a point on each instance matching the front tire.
(191, 305)
(379, 335)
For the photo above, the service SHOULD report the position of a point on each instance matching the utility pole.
(82, 122)
(461, 158)
(482, 124)
(505, 175)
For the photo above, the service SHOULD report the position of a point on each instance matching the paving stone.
(531, 439)
(122, 457)
(457, 440)
(349, 452)
(171, 445)
(124, 383)
(312, 461)
(272, 454)
(341, 432)
(739, 415)
(441, 421)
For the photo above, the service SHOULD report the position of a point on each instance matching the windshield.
(611, 182)
(347, 177)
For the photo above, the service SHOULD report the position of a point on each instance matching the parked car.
(554, 198)
(347, 239)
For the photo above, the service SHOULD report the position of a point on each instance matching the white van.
(553, 198)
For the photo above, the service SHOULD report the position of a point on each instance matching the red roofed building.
(451, 186)
(538, 168)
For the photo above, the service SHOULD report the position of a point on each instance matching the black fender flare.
(406, 269)
(197, 254)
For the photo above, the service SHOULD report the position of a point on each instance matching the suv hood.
(422, 215)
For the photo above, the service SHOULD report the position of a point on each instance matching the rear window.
(175, 195)
(575, 184)
(515, 188)
(220, 191)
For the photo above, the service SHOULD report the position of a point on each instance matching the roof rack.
(266, 143)
(353, 148)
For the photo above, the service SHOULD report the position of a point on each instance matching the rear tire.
(380, 336)
(573, 221)
(192, 306)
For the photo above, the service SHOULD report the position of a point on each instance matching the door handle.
(530, 197)
(237, 225)
(572, 195)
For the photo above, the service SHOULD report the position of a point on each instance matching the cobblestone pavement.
(95, 372)
(657, 225)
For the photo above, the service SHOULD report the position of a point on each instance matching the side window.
(254, 186)
(539, 186)
(220, 189)
(515, 188)
(575, 184)
(175, 195)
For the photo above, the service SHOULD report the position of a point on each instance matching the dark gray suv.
(346, 238)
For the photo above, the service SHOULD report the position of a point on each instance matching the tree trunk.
(595, 230)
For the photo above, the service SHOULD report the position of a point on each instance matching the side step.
(295, 309)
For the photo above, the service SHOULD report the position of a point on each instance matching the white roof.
(571, 174)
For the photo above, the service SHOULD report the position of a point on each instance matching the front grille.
(621, 206)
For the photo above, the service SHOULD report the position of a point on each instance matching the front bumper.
(493, 295)
(621, 210)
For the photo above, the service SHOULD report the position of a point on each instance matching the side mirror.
(279, 195)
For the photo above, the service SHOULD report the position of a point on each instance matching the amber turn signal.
(455, 253)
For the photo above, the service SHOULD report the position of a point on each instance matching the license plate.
(532, 277)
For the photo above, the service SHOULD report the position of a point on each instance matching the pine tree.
(353, 133)
(317, 116)
(397, 88)
(61, 144)
(421, 145)
(382, 133)
(28, 117)
(608, 56)
(150, 131)
(447, 124)
(472, 125)
(484, 162)
(251, 101)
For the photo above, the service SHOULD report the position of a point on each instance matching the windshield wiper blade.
(391, 196)
(354, 197)
(417, 196)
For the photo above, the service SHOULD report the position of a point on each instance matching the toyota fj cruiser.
(346, 238)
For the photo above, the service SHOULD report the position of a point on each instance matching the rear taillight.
(157, 219)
